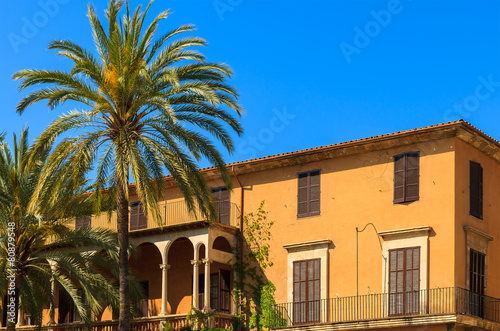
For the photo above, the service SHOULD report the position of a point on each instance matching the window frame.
(405, 185)
(308, 199)
(479, 198)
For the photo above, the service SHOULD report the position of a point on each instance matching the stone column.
(164, 271)
(19, 315)
(195, 264)
(206, 307)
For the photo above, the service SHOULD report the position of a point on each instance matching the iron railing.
(451, 300)
(172, 213)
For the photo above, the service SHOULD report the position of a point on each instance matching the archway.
(180, 292)
(145, 267)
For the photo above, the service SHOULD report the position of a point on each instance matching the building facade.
(395, 231)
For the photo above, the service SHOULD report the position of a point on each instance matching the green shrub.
(169, 327)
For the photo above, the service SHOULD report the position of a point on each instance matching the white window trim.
(402, 238)
(317, 249)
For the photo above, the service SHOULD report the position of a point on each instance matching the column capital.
(195, 262)
(207, 261)
(164, 266)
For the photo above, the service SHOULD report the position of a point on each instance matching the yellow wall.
(356, 190)
(490, 224)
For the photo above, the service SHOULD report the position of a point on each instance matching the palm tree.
(151, 106)
(41, 251)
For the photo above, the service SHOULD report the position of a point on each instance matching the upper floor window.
(308, 193)
(221, 198)
(83, 222)
(138, 219)
(406, 177)
(476, 190)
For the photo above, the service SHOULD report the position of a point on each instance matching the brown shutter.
(412, 176)
(406, 177)
(138, 219)
(404, 281)
(134, 216)
(476, 190)
(222, 201)
(308, 202)
(306, 291)
(83, 222)
(314, 192)
(143, 220)
(302, 203)
(399, 178)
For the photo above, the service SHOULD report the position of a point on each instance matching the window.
(404, 281)
(67, 311)
(137, 218)
(477, 283)
(476, 190)
(406, 177)
(83, 222)
(222, 204)
(220, 291)
(308, 194)
(306, 291)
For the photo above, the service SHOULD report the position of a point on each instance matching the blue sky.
(310, 73)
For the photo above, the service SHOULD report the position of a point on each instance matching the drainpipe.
(240, 243)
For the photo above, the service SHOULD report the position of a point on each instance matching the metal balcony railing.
(451, 300)
(172, 213)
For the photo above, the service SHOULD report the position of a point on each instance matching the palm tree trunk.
(122, 220)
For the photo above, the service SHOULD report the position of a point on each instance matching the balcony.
(172, 214)
(434, 306)
(217, 320)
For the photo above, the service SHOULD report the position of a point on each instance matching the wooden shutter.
(404, 281)
(302, 203)
(224, 291)
(138, 219)
(83, 222)
(406, 177)
(222, 203)
(306, 291)
(477, 268)
(412, 176)
(399, 178)
(308, 202)
(314, 192)
(476, 190)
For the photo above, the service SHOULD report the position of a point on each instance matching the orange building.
(394, 231)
